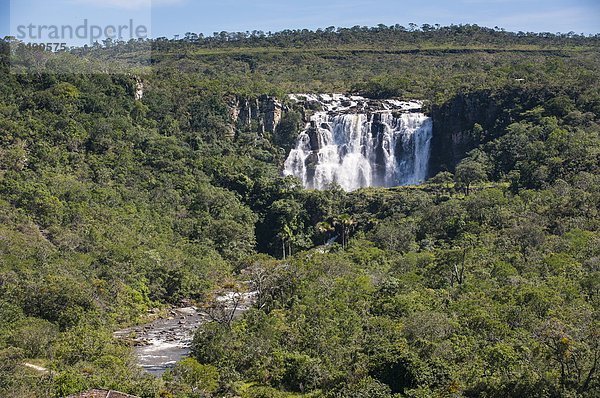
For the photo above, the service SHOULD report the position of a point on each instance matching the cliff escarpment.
(471, 119)
(262, 113)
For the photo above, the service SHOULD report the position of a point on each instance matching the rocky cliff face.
(351, 104)
(265, 110)
(454, 134)
(453, 124)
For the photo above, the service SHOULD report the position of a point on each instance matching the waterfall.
(356, 142)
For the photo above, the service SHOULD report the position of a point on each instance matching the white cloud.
(128, 4)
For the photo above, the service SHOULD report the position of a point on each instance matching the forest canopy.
(481, 282)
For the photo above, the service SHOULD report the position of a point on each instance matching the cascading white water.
(355, 143)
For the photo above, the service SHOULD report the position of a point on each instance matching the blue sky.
(171, 17)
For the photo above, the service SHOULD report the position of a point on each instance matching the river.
(160, 344)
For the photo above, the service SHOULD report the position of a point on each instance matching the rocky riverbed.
(160, 344)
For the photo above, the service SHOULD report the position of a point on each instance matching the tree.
(288, 129)
(397, 234)
(324, 228)
(346, 224)
(192, 379)
(469, 172)
(443, 181)
(223, 307)
(364, 388)
(442, 178)
(459, 258)
(284, 216)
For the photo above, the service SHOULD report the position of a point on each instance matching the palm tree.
(347, 223)
(286, 235)
(324, 228)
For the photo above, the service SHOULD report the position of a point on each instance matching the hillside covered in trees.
(122, 193)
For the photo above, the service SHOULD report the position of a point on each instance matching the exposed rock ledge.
(267, 111)
(342, 103)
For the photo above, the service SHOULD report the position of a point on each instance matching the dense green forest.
(482, 282)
